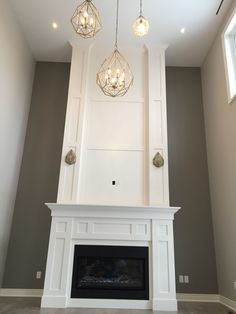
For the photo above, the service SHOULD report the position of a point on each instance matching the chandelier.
(86, 20)
(115, 76)
(141, 25)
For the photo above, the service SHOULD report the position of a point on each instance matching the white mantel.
(112, 211)
(74, 224)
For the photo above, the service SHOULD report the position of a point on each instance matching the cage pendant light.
(141, 25)
(115, 76)
(86, 20)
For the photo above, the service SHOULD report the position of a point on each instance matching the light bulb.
(54, 25)
(140, 26)
(82, 20)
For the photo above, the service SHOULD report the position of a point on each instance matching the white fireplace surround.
(115, 141)
(74, 224)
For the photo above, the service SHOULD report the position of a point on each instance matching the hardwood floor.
(32, 306)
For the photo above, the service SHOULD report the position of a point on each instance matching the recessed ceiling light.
(54, 25)
(182, 31)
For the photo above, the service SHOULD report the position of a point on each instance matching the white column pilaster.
(158, 179)
(164, 290)
(74, 124)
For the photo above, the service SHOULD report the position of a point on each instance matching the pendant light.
(141, 25)
(115, 76)
(86, 20)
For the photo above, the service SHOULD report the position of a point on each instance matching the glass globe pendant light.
(141, 25)
(86, 20)
(115, 76)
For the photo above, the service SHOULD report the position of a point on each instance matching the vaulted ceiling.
(166, 18)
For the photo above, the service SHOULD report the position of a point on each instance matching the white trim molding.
(190, 297)
(228, 45)
(181, 297)
(23, 293)
(227, 302)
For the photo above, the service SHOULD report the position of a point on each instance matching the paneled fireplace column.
(113, 186)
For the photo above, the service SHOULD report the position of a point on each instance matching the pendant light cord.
(141, 7)
(117, 23)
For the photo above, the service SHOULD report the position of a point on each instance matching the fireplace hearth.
(110, 272)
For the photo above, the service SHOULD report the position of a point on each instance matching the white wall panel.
(115, 139)
(57, 264)
(123, 167)
(115, 125)
(74, 114)
(156, 123)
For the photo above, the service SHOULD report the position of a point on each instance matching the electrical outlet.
(38, 274)
(235, 285)
(186, 279)
(181, 279)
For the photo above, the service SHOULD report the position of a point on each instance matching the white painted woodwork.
(116, 139)
(157, 126)
(228, 45)
(69, 175)
(181, 297)
(74, 224)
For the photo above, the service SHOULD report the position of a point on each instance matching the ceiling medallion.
(86, 20)
(115, 76)
(141, 25)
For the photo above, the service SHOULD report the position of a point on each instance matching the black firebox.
(110, 272)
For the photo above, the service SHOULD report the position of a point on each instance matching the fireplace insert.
(110, 272)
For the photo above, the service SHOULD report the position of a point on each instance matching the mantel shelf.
(112, 211)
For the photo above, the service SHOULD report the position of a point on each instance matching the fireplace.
(111, 242)
(110, 272)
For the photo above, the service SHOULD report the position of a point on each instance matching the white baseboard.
(181, 297)
(227, 302)
(190, 297)
(25, 293)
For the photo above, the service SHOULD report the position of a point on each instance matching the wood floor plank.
(32, 306)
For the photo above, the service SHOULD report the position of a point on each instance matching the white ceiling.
(166, 18)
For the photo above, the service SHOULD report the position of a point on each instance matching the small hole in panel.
(113, 183)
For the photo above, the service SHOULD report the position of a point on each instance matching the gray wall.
(194, 245)
(188, 179)
(38, 177)
(220, 122)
